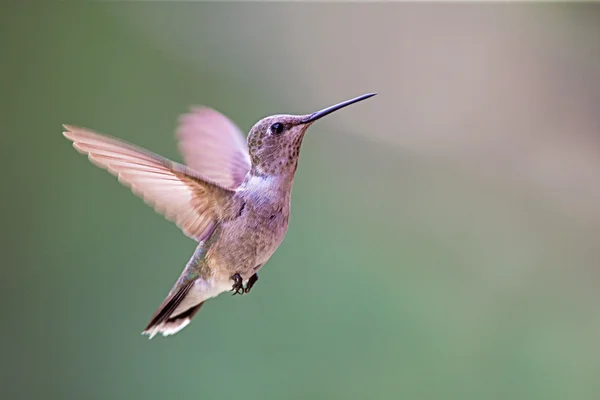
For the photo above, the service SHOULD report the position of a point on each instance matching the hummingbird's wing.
(172, 189)
(214, 146)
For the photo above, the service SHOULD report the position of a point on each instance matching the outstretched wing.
(172, 189)
(214, 146)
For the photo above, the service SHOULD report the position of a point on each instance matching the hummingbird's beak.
(320, 114)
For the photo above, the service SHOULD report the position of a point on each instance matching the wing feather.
(214, 146)
(172, 189)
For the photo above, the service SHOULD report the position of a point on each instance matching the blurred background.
(444, 239)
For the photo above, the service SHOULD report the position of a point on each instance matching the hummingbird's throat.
(284, 167)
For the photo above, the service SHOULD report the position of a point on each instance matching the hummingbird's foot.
(251, 283)
(238, 286)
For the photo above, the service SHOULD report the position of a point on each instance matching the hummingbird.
(232, 196)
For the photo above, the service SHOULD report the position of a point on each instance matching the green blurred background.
(444, 235)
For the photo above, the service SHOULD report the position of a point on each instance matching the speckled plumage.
(233, 198)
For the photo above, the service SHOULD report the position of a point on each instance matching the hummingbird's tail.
(182, 303)
(174, 313)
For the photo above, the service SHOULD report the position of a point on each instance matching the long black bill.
(320, 114)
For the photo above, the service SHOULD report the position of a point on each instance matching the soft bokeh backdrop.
(444, 239)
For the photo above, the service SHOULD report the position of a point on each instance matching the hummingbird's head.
(274, 142)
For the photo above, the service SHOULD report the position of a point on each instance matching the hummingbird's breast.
(246, 242)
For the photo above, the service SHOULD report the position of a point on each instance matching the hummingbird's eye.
(277, 128)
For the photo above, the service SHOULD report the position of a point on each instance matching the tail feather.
(164, 321)
(182, 303)
(172, 325)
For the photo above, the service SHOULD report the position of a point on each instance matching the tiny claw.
(251, 283)
(238, 286)
(239, 291)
